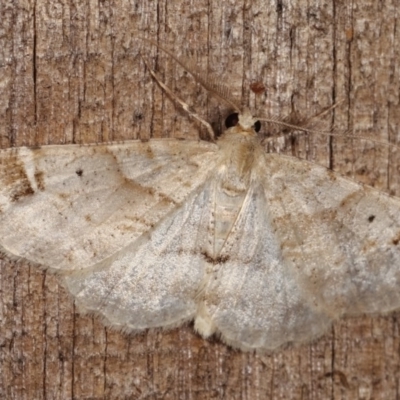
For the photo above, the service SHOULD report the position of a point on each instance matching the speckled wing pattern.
(69, 207)
(259, 248)
(309, 247)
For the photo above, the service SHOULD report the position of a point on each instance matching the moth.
(259, 249)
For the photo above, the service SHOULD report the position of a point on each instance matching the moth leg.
(184, 105)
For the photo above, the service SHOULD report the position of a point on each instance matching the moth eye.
(232, 120)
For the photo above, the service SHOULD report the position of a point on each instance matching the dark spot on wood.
(257, 87)
(79, 172)
(361, 171)
(340, 375)
(349, 34)
(371, 218)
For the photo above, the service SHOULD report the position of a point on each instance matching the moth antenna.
(326, 133)
(211, 84)
(288, 122)
(326, 110)
(291, 126)
(184, 105)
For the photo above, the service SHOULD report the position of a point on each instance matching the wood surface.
(70, 72)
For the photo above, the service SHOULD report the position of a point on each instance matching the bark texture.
(70, 73)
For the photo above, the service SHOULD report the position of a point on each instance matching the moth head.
(244, 121)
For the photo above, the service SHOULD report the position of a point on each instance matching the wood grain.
(70, 73)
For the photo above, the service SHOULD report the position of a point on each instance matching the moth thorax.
(239, 159)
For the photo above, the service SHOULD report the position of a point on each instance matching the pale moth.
(260, 249)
